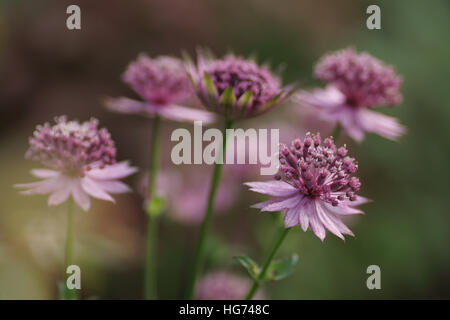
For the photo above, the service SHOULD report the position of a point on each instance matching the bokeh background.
(47, 70)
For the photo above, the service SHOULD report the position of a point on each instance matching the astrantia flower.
(162, 82)
(223, 286)
(314, 186)
(356, 83)
(82, 162)
(235, 87)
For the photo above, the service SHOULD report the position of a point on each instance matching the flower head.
(235, 87)
(315, 186)
(221, 285)
(364, 80)
(356, 82)
(82, 162)
(163, 84)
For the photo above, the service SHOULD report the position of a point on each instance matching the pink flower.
(235, 87)
(314, 186)
(356, 83)
(82, 162)
(221, 285)
(162, 82)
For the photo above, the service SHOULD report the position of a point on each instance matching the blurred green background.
(48, 70)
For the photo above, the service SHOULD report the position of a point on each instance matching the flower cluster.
(364, 80)
(82, 159)
(162, 82)
(315, 185)
(235, 87)
(355, 83)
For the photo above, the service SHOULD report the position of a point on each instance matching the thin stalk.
(199, 254)
(262, 274)
(150, 283)
(68, 252)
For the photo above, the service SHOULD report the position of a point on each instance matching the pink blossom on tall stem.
(222, 285)
(163, 84)
(235, 87)
(81, 161)
(356, 82)
(315, 186)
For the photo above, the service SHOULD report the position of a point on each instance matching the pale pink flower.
(356, 83)
(163, 84)
(314, 186)
(235, 87)
(222, 285)
(82, 162)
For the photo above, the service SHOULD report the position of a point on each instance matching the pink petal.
(61, 194)
(341, 209)
(315, 224)
(116, 171)
(44, 173)
(326, 221)
(381, 124)
(94, 189)
(291, 217)
(124, 105)
(283, 204)
(272, 188)
(40, 187)
(80, 196)
(180, 113)
(113, 186)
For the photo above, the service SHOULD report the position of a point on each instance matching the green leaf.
(155, 206)
(245, 100)
(209, 85)
(227, 101)
(280, 269)
(250, 265)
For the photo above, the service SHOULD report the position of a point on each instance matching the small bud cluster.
(365, 80)
(319, 170)
(72, 147)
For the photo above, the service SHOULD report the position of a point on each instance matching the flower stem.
(68, 294)
(199, 254)
(262, 274)
(150, 285)
(336, 132)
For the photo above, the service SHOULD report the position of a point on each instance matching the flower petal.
(381, 124)
(316, 226)
(44, 173)
(40, 187)
(94, 189)
(113, 186)
(116, 171)
(181, 113)
(62, 193)
(326, 221)
(292, 215)
(272, 188)
(285, 203)
(124, 105)
(80, 196)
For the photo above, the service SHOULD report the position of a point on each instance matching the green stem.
(150, 285)
(68, 254)
(262, 274)
(199, 254)
(336, 132)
